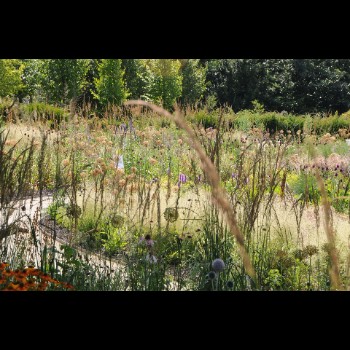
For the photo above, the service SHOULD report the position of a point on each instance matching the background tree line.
(293, 85)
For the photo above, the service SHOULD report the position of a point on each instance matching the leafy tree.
(276, 86)
(32, 79)
(10, 76)
(166, 84)
(88, 87)
(295, 85)
(110, 85)
(193, 82)
(63, 79)
(321, 85)
(138, 78)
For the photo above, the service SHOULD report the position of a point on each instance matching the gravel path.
(29, 210)
(32, 211)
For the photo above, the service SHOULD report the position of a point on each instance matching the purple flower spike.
(182, 178)
(233, 175)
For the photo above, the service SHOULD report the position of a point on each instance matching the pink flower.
(149, 242)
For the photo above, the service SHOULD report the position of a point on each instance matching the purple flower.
(233, 175)
(182, 178)
(218, 265)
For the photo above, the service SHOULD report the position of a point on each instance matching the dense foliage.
(292, 85)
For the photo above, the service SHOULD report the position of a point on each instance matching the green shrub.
(331, 124)
(43, 111)
(205, 118)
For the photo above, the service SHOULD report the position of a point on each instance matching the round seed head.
(218, 265)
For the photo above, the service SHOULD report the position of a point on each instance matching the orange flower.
(31, 285)
(34, 272)
(3, 265)
(20, 277)
(28, 270)
(22, 287)
(8, 273)
(12, 286)
(67, 285)
(42, 286)
(47, 278)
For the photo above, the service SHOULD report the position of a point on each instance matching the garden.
(201, 199)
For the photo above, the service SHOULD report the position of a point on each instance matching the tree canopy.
(293, 85)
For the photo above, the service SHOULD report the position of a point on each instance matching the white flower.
(151, 259)
(120, 162)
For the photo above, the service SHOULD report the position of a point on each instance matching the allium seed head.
(211, 275)
(218, 265)
(229, 284)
